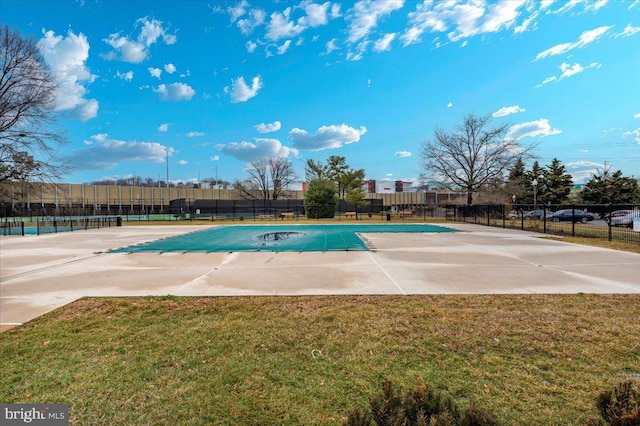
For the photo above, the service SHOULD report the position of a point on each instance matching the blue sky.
(217, 84)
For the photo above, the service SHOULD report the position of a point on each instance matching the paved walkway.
(41, 273)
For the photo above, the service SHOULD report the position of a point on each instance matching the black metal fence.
(50, 225)
(613, 222)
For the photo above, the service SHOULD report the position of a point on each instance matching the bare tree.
(472, 155)
(27, 102)
(269, 179)
(282, 176)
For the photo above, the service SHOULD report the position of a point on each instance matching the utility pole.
(166, 150)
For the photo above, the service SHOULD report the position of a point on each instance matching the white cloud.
(461, 20)
(316, 14)
(596, 6)
(170, 68)
(535, 128)
(155, 72)
(260, 148)
(255, 19)
(284, 47)
(241, 92)
(583, 170)
(214, 158)
(125, 50)
(566, 6)
(175, 92)
(384, 43)
(128, 76)
(251, 46)
(628, 31)
(268, 128)
(402, 154)
(501, 15)
(66, 58)
(449, 105)
(568, 71)
(361, 48)
(514, 109)
(326, 137)
(86, 109)
(102, 152)
(280, 26)
(585, 38)
(163, 127)
(331, 46)
(365, 15)
(194, 134)
(238, 10)
(637, 115)
(335, 11)
(137, 50)
(634, 133)
(182, 162)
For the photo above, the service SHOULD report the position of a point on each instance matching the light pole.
(535, 183)
(166, 150)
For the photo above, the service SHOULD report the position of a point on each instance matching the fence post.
(609, 224)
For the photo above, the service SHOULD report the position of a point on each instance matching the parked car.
(536, 214)
(625, 220)
(571, 215)
(616, 213)
(515, 214)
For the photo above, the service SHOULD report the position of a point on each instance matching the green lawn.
(531, 359)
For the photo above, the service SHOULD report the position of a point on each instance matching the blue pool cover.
(300, 238)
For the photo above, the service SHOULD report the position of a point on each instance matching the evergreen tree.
(537, 175)
(613, 188)
(320, 199)
(337, 171)
(557, 184)
(516, 182)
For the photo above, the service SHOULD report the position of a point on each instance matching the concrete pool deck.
(41, 273)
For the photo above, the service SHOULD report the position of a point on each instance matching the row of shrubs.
(425, 406)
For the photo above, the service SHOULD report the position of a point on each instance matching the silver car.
(625, 220)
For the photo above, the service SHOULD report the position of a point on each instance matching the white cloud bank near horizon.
(102, 152)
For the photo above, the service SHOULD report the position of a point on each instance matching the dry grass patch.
(531, 359)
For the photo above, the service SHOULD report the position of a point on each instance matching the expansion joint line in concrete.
(229, 258)
(386, 273)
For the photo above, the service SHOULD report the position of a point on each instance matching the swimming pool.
(301, 238)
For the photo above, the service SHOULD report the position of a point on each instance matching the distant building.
(387, 186)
